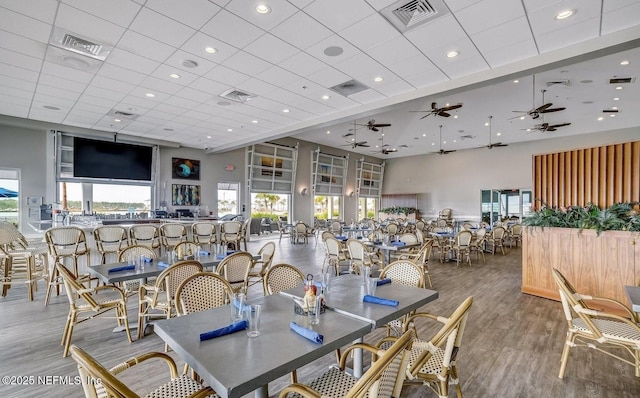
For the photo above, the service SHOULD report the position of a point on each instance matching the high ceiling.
(157, 81)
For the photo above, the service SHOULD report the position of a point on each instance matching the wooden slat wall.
(601, 175)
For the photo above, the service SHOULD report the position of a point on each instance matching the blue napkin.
(123, 268)
(220, 257)
(162, 264)
(398, 243)
(204, 253)
(234, 327)
(378, 300)
(231, 252)
(148, 260)
(377, 242)
(442, 233)
(383, 281)
(341, 237)
(307, 333)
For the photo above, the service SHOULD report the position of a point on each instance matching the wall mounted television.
(111, 160)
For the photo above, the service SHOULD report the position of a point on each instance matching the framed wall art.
(185, 195)
(186, 169)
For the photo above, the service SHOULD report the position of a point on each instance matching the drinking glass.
(171, 257)
(254, 320)
(237, 306)
(140, 262)
(314, 311)
(365, 271)
(370, 287)
(326, 280)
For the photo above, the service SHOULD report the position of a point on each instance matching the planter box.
(595, 265)
(408, 217)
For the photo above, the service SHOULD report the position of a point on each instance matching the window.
(107, 201)
(367, 208)
(228, 198)
(329, 173)
(271, 205)
(10, 196)
(327, 207)
(272, 168)
(369, 179)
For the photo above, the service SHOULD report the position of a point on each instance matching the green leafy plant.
(618, 217)
(400, 210)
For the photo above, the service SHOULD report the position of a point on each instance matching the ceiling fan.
(354, 143)
(544, 127)
(493, 145)
(443, 111)
(442, 151)
(372, 125)
(385, 149)
(545, 108)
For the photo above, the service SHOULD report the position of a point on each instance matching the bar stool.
(64, 243)
(110, 240)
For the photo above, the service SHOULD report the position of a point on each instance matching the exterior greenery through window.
(269, 205)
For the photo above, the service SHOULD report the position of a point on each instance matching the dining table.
(390, 247)
(235, 364)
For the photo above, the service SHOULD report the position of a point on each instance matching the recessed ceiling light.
(453, 54)
(616, 99)
(229, 130)
(528, 129)
(211, 50)
(612, 115)
(486, 123)
(433, 143)
(51, 107)
(516, 81)
(424, 134)
(209, 136)
(625, 62)
(498, 134)
(150, 95)
(263, 9)
(328, 132)
(378, 79)
(333, 51)
(454, 140)
(133, 109)
(521, 117)
(614, 107)
(564, 14)
(174, 76)
(600, 119)
(619, 88)
(117, 120)
(285, 110)
(353, 139)
(455, 116)
(325, 97)
(254, 121)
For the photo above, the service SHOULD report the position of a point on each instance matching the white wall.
(455, 180)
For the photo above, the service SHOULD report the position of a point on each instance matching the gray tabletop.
(633, 294)
(345, 297)
(235, 365)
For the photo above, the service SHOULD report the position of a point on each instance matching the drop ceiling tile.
(271, 49)
(396, 87)
(24, 26)
(104, 93)
(226, 76)
(278, 76)
(258, 87)
(488, 14)
(176, 60)
(120, 12)
(503, 35)
(360, 66)
(163, 71)
(338, 14)
(280, 11)
(131, 61)
(176, 105)
(380, 4)
(65, 72)
(542, 20)
(535, 5)
(85, 105)
(446, 29)
(81, 116)
(393, 51)
(185, 120)
(88, 26)
(142, 45)
(137, 99)
(570, 34)
(12, 82)
(58, 93)
(162, 28)
(112, 85)
(246, 63)
(621, 18)
(42, 10)
(456, 5)
(156, 85)
(469, 61)
(193, 94)
(329, 77)
(232, 29)
(317, 50)
(26, 95)
(122, 74)
(198, 42)
(211, 87)
(511, 53)
(39, 112)
(301, 31)
(20, 60)
(302, 64)
(367, 96)
(155, 117)
(370, 32)
(22, 44)
(44, 97)
(10, 108)
(18, 73)
(196, 14)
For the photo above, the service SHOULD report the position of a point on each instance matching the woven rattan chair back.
(392, 228)
(202, 291)
(171, 234)
(404, 272)
(282, 277)
(173, 276)
(327, 234)
(135, 251)
(235, 269)
(186, 250)
(230, 233)
(204, 233)
(110, 239)
(408, 238)
(420, 225)
(463, 238)
(245, 231)
(359, 255)
(261, 266)
(21, 263)
(64, 243)
(145, 235)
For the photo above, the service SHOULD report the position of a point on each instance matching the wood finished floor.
(511, 347)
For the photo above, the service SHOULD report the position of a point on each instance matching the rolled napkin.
(234, 327)
(383, 281)
(204, 253)
(341, 237)
(229, 252)
(307, 333)
(148, 260)
(220, 256)
(442, 233)
(122, 268)
(398, 243)
(377, 242)
(162, 264)
(379, 300)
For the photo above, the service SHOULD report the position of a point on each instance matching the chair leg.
(565, 353)
(53, 276)
(142, 309)
(123, 316)
(73, 318)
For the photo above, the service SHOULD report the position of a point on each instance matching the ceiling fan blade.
(403, 146)
(347, 135)
(434, 105)
(543, 107)
(451, 107)
(560, 125)
(373, 128)
(443, 114)
(381, 125)
(549, 110)
(428, 114)
(419, 111)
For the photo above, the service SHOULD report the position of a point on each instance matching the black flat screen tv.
(111, 160)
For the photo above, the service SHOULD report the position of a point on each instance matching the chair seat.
(433, 365)
(332, 384)
(183, 386)
(610, 329)
(102, 298)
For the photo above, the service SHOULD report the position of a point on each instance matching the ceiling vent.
(407, 15)
(619, 80)
(558, 83)
(71, 42)
(349, 88)
(122, 115)
(237, 95)
(467, 137)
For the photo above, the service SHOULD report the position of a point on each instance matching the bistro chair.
(202, 291)
(461, 246)
(391, 230)
(145, 235)
(402, 272)
(171, 234)
(282, 277)
(230, 234)
(336, 227)
(260, 267)
(110, 239)
(496, 239)
(421, 258)
(65, 243)
(204, 234)
(478, 242)
(433, 363)
(360, 256)
(161, 295)
(98, 381)
(381, 380)
(245, 231)
(235, 269)
(300, 233)
(96, 300)
(186, 250)
(515, 235)
(594, 328)
(130, 253)
(21, 263)
(335, 254)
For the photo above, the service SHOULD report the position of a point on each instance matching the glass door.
(499, 205)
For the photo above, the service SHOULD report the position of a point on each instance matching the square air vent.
(619, 80)
(72, 42)
(406, 15)
(237, 95)
(349, 88)
(122, 114)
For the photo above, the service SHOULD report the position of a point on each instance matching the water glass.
(370, 287)
(254, 320)
(237, 306)
(326, 280)
(196, 256)
(171, 257)
(140, 262)
(365, 272)
(313, 312)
